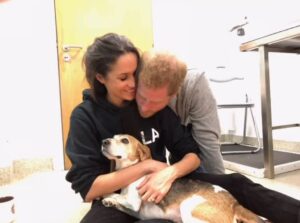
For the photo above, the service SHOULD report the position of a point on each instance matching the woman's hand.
(156, 185)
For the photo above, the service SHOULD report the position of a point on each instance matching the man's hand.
(153, 166)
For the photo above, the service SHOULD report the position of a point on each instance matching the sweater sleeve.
(197, 103)
(203, 113)
(83, 147)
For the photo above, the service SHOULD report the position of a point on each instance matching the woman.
(108, 108)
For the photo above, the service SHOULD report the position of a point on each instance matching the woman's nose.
(132, 82)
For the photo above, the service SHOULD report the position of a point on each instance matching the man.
(160, 83)
(189, 95)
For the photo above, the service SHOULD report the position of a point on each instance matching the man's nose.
(142, 101)
(145, 106)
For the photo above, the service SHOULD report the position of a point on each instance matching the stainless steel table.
(285, 41)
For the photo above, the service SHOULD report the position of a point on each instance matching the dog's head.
(125, 149)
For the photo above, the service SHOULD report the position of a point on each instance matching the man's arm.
(195, 104)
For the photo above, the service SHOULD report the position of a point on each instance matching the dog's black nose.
(105, 142)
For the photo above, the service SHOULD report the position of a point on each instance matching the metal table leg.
(266, 112)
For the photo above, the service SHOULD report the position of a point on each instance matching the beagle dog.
(187, 201)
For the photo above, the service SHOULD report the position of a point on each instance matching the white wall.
(30, 121)
(30, 118)
(198, 31)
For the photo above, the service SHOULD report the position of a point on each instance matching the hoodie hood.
(87, 95)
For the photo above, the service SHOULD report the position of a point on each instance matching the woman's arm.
(108, 183)
(156, 185)
(90, 172)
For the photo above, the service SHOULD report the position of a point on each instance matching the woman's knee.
(100, 213)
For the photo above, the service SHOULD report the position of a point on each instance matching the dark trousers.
(270, 204)
(101, 214)
(275, 206)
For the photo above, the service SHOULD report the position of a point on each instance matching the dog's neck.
(125, 163)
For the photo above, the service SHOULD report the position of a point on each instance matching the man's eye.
(125, 140)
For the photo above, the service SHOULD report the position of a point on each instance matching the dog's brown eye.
(125, 140)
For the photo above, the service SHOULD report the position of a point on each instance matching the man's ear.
(143, 152)
(100, 78)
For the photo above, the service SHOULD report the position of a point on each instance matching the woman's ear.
(100, 78)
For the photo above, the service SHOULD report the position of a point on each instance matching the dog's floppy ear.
(143, 152)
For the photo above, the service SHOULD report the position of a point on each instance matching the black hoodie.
(91, 122)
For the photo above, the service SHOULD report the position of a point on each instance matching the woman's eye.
(124, 78)
(125, 140)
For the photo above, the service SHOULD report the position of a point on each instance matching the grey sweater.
(196, 105)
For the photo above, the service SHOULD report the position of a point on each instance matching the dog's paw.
(109, 202)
